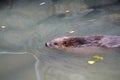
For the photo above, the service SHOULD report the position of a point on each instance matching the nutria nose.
(46, 45)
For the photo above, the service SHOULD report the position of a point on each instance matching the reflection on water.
(24, 56)
(24, 59)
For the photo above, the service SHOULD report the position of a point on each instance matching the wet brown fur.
(81, 41)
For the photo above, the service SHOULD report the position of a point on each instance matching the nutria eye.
(65, 43)
(55, 43)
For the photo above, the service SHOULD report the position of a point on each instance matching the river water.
(23, 55)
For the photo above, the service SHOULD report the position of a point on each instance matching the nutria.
(85, 43)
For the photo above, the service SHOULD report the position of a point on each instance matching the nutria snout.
(46, 45)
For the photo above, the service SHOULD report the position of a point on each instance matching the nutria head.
(66, 42)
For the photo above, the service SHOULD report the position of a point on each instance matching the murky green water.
(23, 55)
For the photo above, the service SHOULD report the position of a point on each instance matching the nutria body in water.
(85, 44)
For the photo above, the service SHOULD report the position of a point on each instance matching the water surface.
(23, 53)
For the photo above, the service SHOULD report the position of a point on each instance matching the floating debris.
(70, 32)
(42, 3)
(2, 27)
(91, 62)
(97, 58)
(67, 11)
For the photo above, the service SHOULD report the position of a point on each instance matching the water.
(24, 56)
